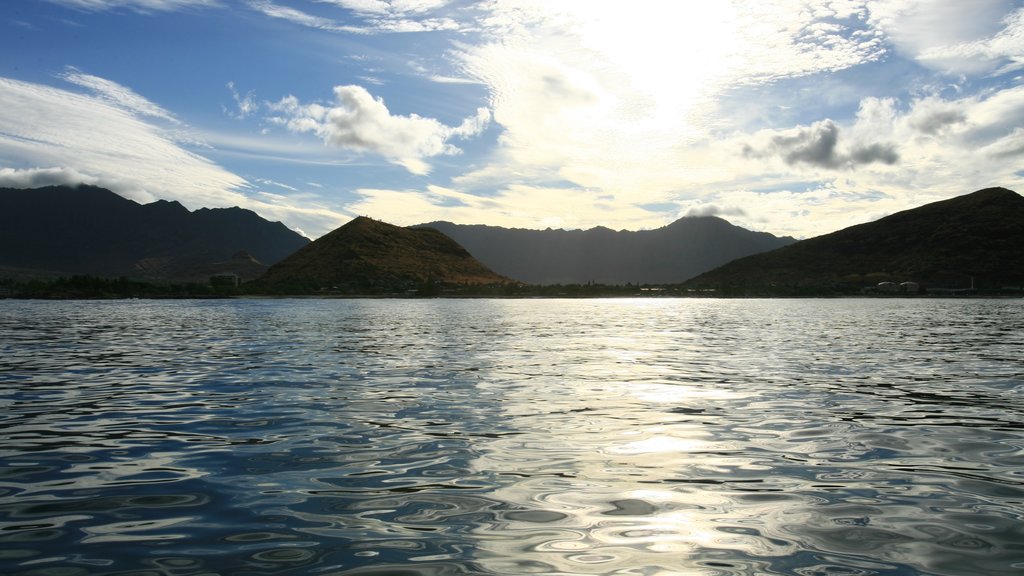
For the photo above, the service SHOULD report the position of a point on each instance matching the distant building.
(227, 279)
(910, 287)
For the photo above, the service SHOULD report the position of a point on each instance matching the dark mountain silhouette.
(90, 230)
(670, 254)
(369, 256)
(976, 239)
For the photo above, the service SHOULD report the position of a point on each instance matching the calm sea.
(435, 437)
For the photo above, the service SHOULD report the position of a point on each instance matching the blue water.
(423, 437)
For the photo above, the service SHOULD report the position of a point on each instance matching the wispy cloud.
(142, 6)
(246, 105)
(514, 206)
(296, 16)
(116, 94)
(45, 126)
(956, 37)
(371, 16)
(389, 7)
(54, 136)
(1003, 51)
(357, 121)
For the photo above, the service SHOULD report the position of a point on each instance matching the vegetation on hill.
(94, 287)
(367, 256)
(972, 241)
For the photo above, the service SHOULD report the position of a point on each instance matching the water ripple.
(811, 437)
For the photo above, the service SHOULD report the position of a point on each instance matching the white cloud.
(116, 94)
(247, 105)
(946, 147)
(623, 99)
(376, 16)
(956, 37)
(269, 182)
(388, 7)
(713, 209)
(137, 5)
(296, 16)
(51, 136)
(40, 177)
(358, 121)
(1005, 47)
(45, 126)
(622, 107)
(807, 213)
(516, 206)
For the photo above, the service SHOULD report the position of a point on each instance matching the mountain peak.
(664, 255)
(367, 255)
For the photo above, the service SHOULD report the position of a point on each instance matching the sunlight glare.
(660, 444)
(671, 53)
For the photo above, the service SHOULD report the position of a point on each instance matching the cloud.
(50, 136)
(40, 177)
(712, 209)
(296, 16)
(376, 16)
(882, 153)
(932, 115)
(359, 122)
(516, 206)
(45, 126)
(804, 213)
(142, 6)
(1009, 146)
(954, 37)
(116, 94)
(817, 145)
(627, 101)
(389, 7)
(1005, 47)
(398, 16)
(247, 105)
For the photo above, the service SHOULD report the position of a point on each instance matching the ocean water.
(434, 437)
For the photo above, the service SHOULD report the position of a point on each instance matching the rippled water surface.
(417, 437)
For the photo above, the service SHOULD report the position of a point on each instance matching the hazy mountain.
(975, 238)
(670, 254)
(367, 256)
(89, 230)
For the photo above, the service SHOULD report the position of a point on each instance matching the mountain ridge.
(91, 230)
(972, 240)
(670, 254)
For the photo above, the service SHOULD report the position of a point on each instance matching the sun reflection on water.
(436, 438)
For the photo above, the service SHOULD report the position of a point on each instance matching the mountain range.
(62, 230)
(671, 254)
(971, 241)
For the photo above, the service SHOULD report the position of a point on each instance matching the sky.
(791, 117)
